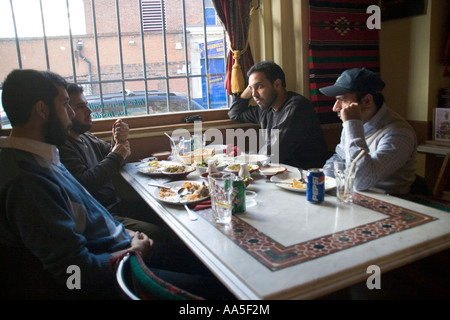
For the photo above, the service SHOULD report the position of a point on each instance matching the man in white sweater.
(389, 142)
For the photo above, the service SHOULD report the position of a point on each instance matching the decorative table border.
(276, 256)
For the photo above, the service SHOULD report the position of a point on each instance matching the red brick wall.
(60, 60)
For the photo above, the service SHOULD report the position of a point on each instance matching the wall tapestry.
(338, 40)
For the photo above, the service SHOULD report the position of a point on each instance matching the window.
(132, 57)
(210, 14)
(153, 13)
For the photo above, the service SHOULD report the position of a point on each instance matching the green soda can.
(238, 197)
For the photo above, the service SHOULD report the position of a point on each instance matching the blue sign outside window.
(216, 65)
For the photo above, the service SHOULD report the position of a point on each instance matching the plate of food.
(236, 167)
(197, 191)
(188, 158)
(177, 171)
(291, 181)
(202, 165)
(154, 167)
(271, 171)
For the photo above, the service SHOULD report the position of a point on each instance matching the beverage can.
(196, 142)
(238, 197)
(315, 186)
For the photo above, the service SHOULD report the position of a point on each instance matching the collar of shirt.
(289, 96)
(47, 151)
(375, 120)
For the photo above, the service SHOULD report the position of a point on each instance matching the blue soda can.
(315, 186)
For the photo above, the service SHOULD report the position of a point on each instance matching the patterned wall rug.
(339, 39)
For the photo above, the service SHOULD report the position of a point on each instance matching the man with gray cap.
(388, 140)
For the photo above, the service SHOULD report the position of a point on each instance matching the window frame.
(160, 17)
(145, 79)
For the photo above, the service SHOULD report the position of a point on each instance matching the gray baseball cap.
(355, 80)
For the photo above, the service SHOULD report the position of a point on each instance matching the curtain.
(338, 40)
(446, 59)
(235, 16)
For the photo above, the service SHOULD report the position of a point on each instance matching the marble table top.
(287, 248)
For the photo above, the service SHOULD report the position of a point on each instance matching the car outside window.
(134, 104)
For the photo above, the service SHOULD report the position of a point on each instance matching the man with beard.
(65, 239)
(96, 163)
(287, 117)
(43, 209)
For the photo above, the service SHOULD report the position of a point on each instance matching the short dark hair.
(378, 98)
(271, 70)
(22, 88)
(73, 88)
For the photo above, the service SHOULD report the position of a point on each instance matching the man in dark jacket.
(288, 118)
(95, 163)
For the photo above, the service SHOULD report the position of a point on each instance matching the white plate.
(202, 170)
(232, 168)
(178, 175)
(219, 161)
(284, 181)
(272, 170)
(176, 186)
(155, 169)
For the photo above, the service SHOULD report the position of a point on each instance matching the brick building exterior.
(86, 63)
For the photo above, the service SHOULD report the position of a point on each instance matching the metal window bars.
(95, 83)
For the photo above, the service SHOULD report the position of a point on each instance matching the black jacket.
(301, 141)
(93, 164)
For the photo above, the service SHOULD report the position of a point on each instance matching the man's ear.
(277, 84)
(367, 100)
(41, 109)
